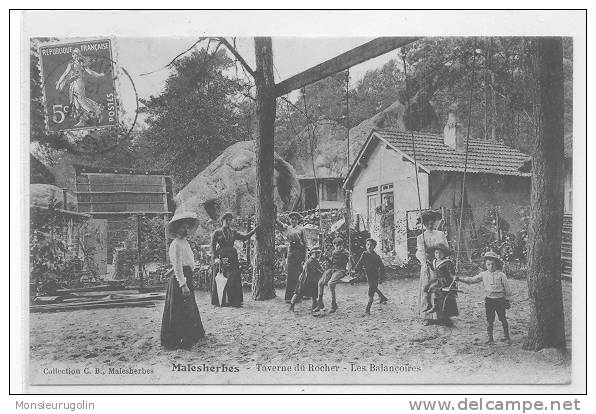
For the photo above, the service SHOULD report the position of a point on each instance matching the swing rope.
(463, 187)
(347, 193)
(463, 182)
(311, 135)
(403, 57)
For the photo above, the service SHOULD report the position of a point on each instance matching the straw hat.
(492, 255)
(296, 215)
(179, 218)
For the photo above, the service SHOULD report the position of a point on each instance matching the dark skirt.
(232, 294)
(296, 255)
(181, 325)
(308, 284)
(446, 303)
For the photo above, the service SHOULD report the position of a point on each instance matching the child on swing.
(497, 291)
(337, 270)
(373, 267)
(309, 279)
(445, 273)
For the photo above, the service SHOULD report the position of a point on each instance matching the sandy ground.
(264, 343)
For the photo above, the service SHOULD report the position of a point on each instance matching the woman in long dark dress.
(296, 252)
(225, 258)
(181, 325)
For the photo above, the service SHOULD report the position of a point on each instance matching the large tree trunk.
(262, 283)
(547, 323)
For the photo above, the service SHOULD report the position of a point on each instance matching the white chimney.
(453, 133)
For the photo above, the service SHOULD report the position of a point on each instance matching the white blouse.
(181, 255)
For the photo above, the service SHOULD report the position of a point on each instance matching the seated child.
(444, 274)
(497, 291)
(334, 274)
(373, 267)
(309, 279)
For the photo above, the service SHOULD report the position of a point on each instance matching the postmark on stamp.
(78, 85)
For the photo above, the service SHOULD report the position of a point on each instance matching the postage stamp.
(78, 85)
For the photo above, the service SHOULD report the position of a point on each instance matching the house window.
(371, 219)
(332, 191)
(380, 220)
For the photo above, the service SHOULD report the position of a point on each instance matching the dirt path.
(267, 344)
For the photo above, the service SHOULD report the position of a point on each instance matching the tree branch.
(237, 55)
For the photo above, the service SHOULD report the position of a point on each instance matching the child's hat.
(492, 255)
(442, 246)
(373, 241)
(338, 240)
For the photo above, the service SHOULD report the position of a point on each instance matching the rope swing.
(463, 186)
(347, 194)
(463, 181)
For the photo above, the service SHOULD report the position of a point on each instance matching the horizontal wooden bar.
(119, 192)
(372, 49)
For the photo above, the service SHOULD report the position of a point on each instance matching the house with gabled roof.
(386, 194)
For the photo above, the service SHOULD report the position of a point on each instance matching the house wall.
(386, 166)
(308, 196)
(483, 192)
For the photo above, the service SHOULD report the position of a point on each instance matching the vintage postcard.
(303, 209)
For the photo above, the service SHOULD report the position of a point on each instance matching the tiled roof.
(484, 156)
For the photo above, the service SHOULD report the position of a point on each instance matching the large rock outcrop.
(327, 141)
(229, 182)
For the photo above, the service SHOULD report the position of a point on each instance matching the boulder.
(229, 183)
(327, 138)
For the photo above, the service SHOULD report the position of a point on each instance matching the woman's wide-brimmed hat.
(441, 246)
(295, 215)
(225, 216)
(179, 218)
(492, 255)
(431, 215)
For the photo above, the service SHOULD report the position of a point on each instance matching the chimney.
(453, 133)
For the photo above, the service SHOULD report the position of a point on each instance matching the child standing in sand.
(373, 267)
(498, 293)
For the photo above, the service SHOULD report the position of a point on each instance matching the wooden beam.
(372, 49)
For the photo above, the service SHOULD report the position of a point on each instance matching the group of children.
(313, 279)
